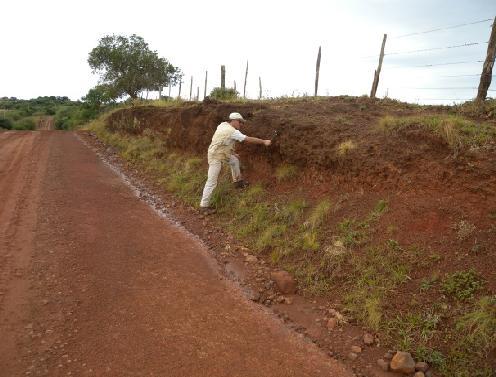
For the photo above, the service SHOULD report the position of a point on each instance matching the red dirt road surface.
(93, 282)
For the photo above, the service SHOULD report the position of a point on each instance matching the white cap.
(236, 116)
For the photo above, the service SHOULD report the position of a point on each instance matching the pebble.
(419, 374)
(356, 349)
(352, 356)
(368, 339)
(251, 259)
(332, 323)
(388, 355)
(421, 366)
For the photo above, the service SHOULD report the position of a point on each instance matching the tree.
(98, 96)
(128, 66)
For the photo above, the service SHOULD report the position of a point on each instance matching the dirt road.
(93, 282)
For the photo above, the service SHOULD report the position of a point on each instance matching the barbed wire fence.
(458, 61)
(406, 61)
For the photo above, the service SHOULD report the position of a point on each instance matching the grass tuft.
(479, 325)
(319, 214)
(456, 131)
(286, 172)
(346, 147)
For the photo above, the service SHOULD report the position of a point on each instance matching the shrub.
(5, 123)
(225, 94)
(25, 124)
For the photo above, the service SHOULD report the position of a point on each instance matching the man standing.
(221, 150)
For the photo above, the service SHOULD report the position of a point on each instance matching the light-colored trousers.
(214, 167)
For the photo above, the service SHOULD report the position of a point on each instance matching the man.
(221, 150)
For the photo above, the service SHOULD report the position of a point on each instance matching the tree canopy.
(99, 96)
(128, 66)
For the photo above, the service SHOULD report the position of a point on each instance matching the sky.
(45, 45)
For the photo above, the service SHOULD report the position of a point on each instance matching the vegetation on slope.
(446, 320)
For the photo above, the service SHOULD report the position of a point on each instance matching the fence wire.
(442, 28)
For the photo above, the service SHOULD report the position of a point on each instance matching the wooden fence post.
(246, 76)
(487, 68)
(317, 71)
(180, 84)
(260, 87)
(170, 87)
(223, 77)
(205, 91)
(197, 93)
(234, 85)
(191, 88)
(377, 72)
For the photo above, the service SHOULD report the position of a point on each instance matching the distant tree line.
(20, 114)
(127, 68)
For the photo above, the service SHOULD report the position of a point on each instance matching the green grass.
(473, 339)
(456, 131)
(414, 329)
(318, 214)
(479, 326)
(462, 285)
(374, 274)
(292, 211)
(429, 282)
(354, 232)
(286, 172)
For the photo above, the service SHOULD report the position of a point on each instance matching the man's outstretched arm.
(256, 140)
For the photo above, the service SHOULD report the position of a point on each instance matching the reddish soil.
(305, 315)
(429, 190)
(93, 282)
(46, 123)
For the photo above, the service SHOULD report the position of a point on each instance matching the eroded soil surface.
(94, 282)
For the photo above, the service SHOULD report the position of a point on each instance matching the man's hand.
(267, 142)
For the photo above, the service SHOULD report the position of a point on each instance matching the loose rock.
(332, 323)
(284, 282)
(383, 364)
(356, 349)
(251, 258)
(419, 374)
(368, 339)
(402, 362)
(421, 366)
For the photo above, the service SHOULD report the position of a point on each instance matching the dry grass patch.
(346, 147)
(456, 131)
